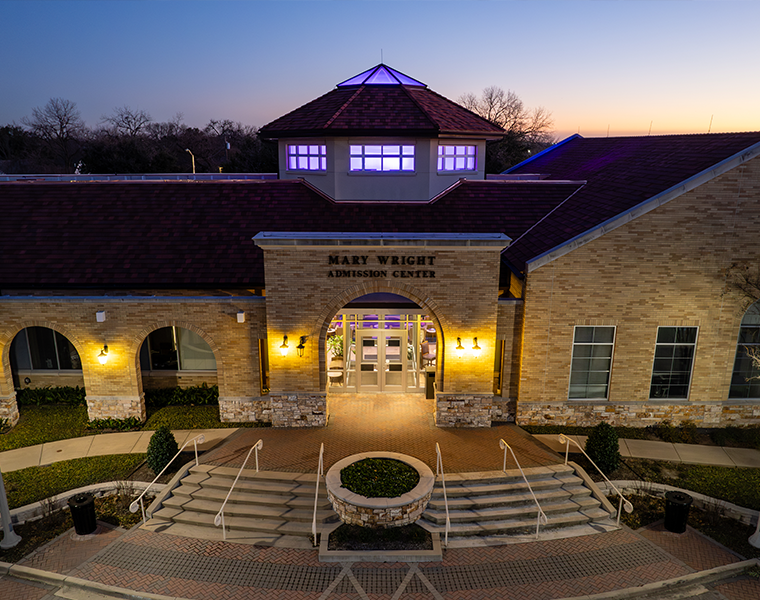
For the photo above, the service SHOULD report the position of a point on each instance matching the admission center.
(601, 279)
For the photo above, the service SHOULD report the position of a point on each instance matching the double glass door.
(380, 364)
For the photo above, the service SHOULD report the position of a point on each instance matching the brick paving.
(16, 589)
(743, 588)
(696, 550)
(393, 422)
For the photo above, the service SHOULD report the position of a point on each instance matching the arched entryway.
(381, 343)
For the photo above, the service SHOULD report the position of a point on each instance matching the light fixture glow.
(475, 348)
(459, 349)
(103, 356)
(301, 345)
(284, 347)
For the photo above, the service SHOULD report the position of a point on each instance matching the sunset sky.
(593, 65)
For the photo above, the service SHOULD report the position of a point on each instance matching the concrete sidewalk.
(693, 454)
(131, 442)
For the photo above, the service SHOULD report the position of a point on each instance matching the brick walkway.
(394, 422)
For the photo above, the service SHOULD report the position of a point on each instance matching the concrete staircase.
(496, 504)
(266, 508)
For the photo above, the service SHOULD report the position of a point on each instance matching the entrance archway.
(381, 343)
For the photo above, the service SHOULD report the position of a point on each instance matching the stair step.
(250, 510)
(487, 489)
(251, 474)
(479, 502)
(218, 494)
(504, 514)
(254, 485)
(267, 526)
(508, 527)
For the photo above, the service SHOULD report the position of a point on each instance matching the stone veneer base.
(639, 414)
(9, 409)
(116, 407)
(298, 409)
(245, 410)
(354, 509)
(463, 410)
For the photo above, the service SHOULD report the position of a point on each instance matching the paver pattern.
(391, 422)
(16, 589)
(696, 550)
(742, 589)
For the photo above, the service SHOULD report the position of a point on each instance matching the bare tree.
(59, 124)
(527, 130)
(125, 121)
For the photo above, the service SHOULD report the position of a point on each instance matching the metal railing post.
(439, 469)
(219, 517)
(320, 473)
(541, 518)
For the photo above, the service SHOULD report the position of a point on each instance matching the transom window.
(307, 157)
(673, 360)
(745, 380)
(456, 158)
(382, 158)
(591, 362)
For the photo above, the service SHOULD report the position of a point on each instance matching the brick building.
(591, 282)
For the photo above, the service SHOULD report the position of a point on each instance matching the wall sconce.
(100, 316)
(241, 317)
(103, 356)
(475, 348)
(284, 347)
(300, 348)
(459, 349)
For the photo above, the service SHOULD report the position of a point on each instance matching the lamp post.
(193, 157)
(10, 537)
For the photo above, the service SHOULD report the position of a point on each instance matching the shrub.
(161, 449)
(199, 395)
(72, 396)
(603, 448)
(127, 424)
(379, 477)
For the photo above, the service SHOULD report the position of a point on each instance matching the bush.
(72, 396)
(603, 448)
(161, 449)
(199, 395)
(128, 424)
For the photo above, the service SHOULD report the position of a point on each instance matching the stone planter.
(379, 512)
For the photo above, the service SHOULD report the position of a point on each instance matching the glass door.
(368, 361)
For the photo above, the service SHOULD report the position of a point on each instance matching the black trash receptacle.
(83, 512)
(677, 511)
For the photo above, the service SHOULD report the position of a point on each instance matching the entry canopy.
(381, 75)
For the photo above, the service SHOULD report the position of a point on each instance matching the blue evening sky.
(593, 64)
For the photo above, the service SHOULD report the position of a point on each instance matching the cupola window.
(456, 158)
(311, 157)
(382, 158)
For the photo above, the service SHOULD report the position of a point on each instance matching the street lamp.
(193, 157)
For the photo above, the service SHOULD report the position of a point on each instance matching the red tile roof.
(132, 235)
(380, 110)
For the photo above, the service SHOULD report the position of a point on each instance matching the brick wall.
(665, 268)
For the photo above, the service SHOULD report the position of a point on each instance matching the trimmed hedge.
(602, 447)
(199, 395)
(71, 396)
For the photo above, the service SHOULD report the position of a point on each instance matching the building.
(591, 282)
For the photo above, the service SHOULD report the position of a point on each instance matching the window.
(307, 157)
(456, 158)
(591, 362)
(43, 349)
(743, 381)
(673, 359)
(382, 158)
(176, 349)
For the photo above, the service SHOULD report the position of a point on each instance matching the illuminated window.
(307, 157)
(382, 158)
(456, 158)
(592, 362)
(673, 359)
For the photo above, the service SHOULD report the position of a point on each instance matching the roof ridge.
(343, 107)
(472, 112)
(420, 108)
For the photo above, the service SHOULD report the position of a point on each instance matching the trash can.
(677, 511)
(83, 512)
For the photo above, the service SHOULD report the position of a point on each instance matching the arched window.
(43, 349)
(745, 381)
(176, 349)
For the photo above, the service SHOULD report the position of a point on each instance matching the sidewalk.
(131, 442)
(693, 454)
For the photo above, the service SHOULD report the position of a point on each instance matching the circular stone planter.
(379, 512)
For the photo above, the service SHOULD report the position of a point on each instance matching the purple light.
(381, 75)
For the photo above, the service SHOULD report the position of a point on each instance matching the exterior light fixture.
(284, 347)
(100, 316)
(300, 348)
(475, 348)
(193, 157)
(241, 316)
(459, 349)
(103, 356)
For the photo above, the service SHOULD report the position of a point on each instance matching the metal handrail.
(439, 470)
(219, 517)
(541, 517)
(320, 473)
(624, 502)
(198, 439)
